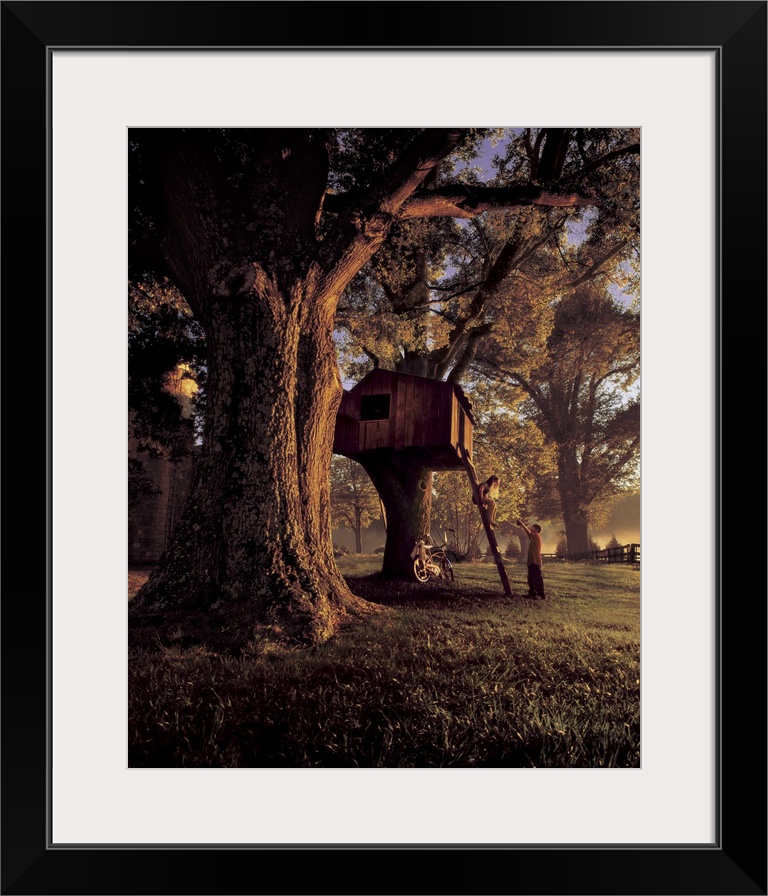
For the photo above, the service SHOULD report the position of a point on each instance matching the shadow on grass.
(228, 632)
(397, 593)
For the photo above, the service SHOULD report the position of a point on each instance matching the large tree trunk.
(404, 485)
(575, 515)
(252, 555)
(576, 533)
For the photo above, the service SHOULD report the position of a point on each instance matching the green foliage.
(454, 513)
(581, 392)
(527, 308)
(604, 162)
(162, 338)
(516, 449)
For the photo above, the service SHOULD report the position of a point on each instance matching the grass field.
(457, 676)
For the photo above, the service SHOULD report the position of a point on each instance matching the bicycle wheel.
(447, 569)
(420, 571)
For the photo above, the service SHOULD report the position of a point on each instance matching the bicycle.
(431, 561)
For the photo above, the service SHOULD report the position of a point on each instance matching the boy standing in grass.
(535, 578)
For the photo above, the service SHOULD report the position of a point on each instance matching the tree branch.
(626, 368)
(632, 149)
(552, 158)
(464, 201)
(412, 166)
(373, 357)
(367, 216)
(594, 269)
(622, 461)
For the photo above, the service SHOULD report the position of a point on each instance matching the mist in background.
(624, 523)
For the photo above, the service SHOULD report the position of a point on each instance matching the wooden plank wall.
(464, 430)
(468, 432)
(455, 423)
(345, 439)
(398, 402)
(347, 404)
(439, 411)
(423, 414)
(375, 434)
(410, 389)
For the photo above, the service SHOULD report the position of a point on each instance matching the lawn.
(458, 675)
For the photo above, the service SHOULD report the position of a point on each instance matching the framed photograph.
(691, 76)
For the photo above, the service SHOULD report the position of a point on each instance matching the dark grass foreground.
(458, 676)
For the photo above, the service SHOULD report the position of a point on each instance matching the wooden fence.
(625, 553)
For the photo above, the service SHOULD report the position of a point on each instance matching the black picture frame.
(736, 863)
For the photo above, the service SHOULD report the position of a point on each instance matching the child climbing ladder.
(484, 516)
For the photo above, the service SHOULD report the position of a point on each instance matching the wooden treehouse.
(388, 411)
(430, 419)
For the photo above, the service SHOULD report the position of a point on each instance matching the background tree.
(354, 501)
(261, 231)
(436, 290)
(582, 394)
(455, 517)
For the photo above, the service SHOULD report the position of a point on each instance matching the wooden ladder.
(489, 533)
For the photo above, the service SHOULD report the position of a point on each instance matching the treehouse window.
(374, 407)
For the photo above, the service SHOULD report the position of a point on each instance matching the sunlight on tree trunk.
(261, 484)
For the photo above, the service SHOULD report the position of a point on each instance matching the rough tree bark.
(256, 534)
(404, 484)
(575, 514)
